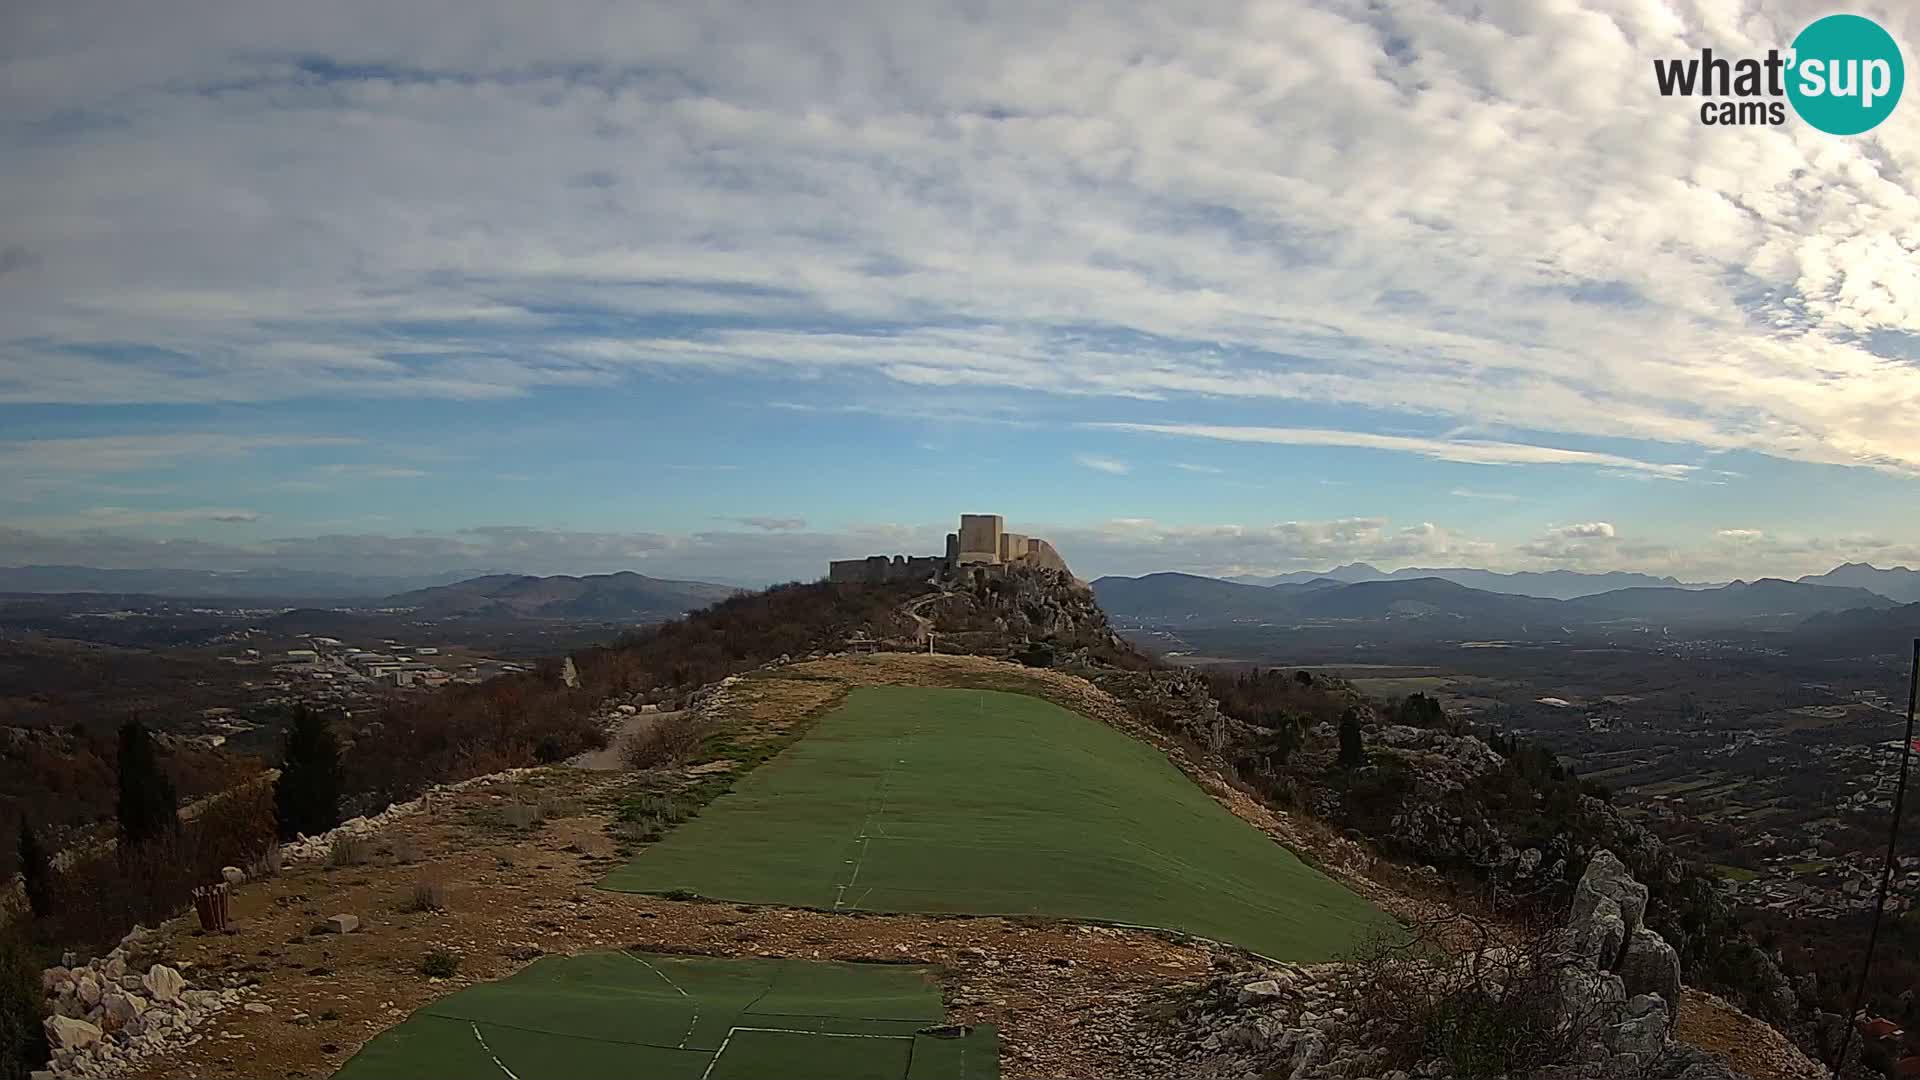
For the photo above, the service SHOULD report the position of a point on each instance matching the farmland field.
(980, 802)
(670, 1017)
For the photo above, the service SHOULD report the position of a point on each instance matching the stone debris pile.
(108, 1015)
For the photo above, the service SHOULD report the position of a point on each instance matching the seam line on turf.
(796, 1031)
(496, 1058)
(879, 807)
(691, 1024)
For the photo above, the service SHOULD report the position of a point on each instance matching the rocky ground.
(515, 860)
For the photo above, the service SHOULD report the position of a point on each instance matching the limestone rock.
(1643, 1033)
(65, 1033)
(1601, 934)
(1607, 877)
(163, 982)
(122, 1009)
(234, 876)
(89, 989)
(1263, 990)
(343, 924)
(1651, 966)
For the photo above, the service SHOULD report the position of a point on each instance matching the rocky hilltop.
(1595, 999)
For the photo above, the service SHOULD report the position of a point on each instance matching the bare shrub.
(350, 851)
(428, 896)
(667, 741)
(521, 815)
(266, 864)
(406, 851)
(1500, 1006)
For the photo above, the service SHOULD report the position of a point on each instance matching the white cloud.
(1103, 464)
(1068, 200)
(107, 454)
(1591, 530)
(1473, 451)
(1207, 470)
(1740, 534)
(1495, 496)
(122, 517)
(772, 524)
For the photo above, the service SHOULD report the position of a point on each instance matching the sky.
(723, 290)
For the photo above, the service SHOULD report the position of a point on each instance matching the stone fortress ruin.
(983, 540)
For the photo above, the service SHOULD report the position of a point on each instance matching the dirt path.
(608, 759)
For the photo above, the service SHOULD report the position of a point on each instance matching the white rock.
(121, 1009)
(88, 988)
(258, 1007)
(115, 966)
(66, 1033)
(234, 876)
(163, 983)
(343, 924)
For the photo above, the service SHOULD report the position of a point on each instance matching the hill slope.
(625, 595)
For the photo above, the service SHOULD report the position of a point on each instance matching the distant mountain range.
(1898, 583)
(622, 596)
(1190, 600)
(1861, 632)
(217, 584)
(1549, 585)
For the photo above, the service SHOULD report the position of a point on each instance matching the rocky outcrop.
(1613, 991)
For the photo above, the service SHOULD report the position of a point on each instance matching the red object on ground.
(210, 903)
(1907, 1067)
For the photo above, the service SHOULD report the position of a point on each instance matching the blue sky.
(715, 291)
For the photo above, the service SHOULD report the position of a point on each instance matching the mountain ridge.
(622, 595)
(1172, 598)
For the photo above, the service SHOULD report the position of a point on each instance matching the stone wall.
(1041, 554)
(880, 569)
(980, 537)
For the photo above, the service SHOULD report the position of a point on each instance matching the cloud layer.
(756, 556)
(1477, 220)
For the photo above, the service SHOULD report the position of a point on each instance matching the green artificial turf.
(634, 1015)
(979, 802)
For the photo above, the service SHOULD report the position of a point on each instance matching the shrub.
(99, 897)
(666, 741)
(350, 851)
(439, 964)
(23, 1039)
(645, 819)
(36, 871)
(307, 795)
(428, 896)
(1486, 1010)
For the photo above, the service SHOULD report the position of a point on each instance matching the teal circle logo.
(1846, 74)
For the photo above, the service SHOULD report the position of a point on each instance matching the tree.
(306, 798)
(1352, 756)
(23, 1010)
(148, 807)
(36, 870)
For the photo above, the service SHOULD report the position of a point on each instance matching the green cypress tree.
(36, 870)
(306, 798)
(148, 806)
(23, 1011)
(1352, 756)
